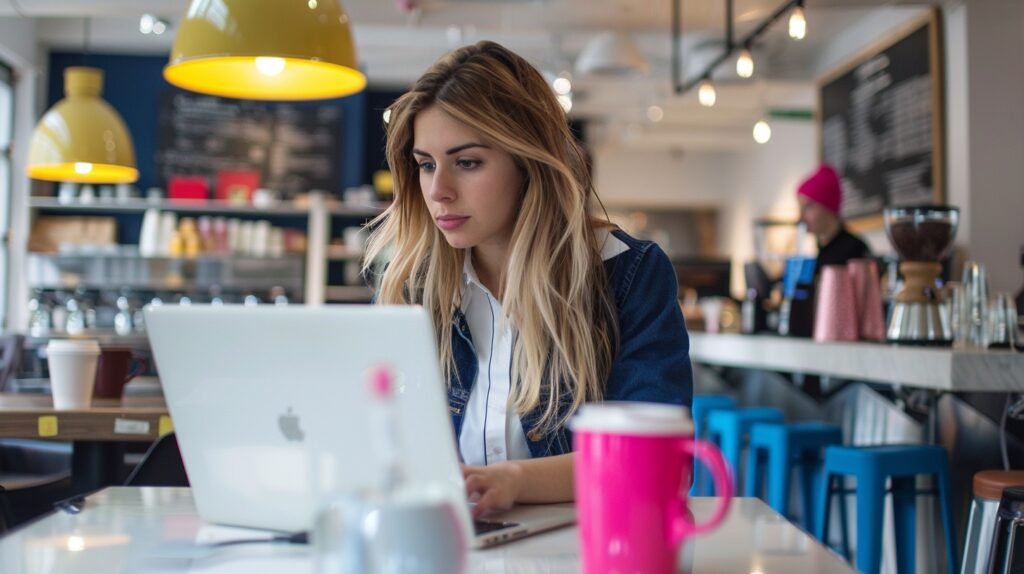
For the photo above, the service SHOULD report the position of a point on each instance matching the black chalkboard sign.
(296, 147)
(880, 122)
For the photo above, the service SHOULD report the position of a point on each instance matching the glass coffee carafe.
(921, 236)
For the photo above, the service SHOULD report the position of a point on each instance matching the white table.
(940, 369)
(151, 530)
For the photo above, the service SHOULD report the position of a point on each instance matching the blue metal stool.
(785, 447)
(703, 405)
(871, 466)
(729, 430)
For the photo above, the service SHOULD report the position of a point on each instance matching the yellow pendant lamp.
(265, 50)
(81, 138)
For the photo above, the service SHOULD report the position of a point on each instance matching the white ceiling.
(395, 47)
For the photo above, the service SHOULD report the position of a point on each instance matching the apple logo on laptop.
(289, 425)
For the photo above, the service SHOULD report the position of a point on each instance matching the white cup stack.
(72, 372)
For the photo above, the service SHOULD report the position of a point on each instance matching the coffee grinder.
(921, 236)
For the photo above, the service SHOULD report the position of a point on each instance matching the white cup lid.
(85, 346)
(633, 418)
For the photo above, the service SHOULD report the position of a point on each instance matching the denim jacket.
(653, 359)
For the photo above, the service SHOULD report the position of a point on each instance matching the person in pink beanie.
(820, 197)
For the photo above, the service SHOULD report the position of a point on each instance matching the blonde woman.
(539, 306)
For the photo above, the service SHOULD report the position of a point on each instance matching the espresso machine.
(921, 236)
(769, 301)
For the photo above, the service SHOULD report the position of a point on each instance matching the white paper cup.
(72, 372)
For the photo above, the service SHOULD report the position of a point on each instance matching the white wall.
(19, 50)
(656, 178)
(765, 178)
(995, 134)
(958, 165)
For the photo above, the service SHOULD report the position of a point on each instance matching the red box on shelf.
(188, 188)
(237, 186)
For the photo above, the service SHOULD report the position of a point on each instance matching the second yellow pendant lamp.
(81, 138)
(266, 50)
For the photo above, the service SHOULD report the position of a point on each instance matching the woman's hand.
(494, 487)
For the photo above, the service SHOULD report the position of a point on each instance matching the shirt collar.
(469, 276)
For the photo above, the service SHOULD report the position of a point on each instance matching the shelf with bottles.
(345, 282)
(131, 252)
(298, 208)
(115, 314)
(105, 337)
(120, 217)
(129, 269)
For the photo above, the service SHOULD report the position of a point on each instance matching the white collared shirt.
(492, 430)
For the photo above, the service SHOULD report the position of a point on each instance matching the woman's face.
(472, 189)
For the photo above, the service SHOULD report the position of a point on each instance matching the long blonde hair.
(555, 290)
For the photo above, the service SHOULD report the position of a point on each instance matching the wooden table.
(135, 419)
(96, 433)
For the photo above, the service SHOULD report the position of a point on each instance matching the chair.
(1005, 556)
(160, 466)
(703, 405)
(730, 429)
(981, 535)
(785, 447)
(11, 349)
(871, 466)
(33, 475)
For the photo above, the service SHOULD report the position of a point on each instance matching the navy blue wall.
(133, 85)
(374, 140)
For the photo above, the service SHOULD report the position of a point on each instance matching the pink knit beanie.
(823, 188)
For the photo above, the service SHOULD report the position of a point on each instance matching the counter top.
(156, 530)
(940, 369)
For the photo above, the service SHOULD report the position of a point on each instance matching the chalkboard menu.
(881, 122)
(295, 147)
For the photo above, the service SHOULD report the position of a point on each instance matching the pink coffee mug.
(633, 468)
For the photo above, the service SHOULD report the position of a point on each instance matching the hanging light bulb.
(762, 132)
(269, 66)
(562, 85)
(745, 64)
(706, 93)
(797, 23)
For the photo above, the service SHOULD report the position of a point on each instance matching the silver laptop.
(273, 413)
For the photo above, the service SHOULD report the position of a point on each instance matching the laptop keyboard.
(485, 527)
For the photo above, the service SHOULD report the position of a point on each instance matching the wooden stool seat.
(989, 484)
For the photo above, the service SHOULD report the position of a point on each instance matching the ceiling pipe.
(730, 44)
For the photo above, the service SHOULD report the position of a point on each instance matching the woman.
(538, 306)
